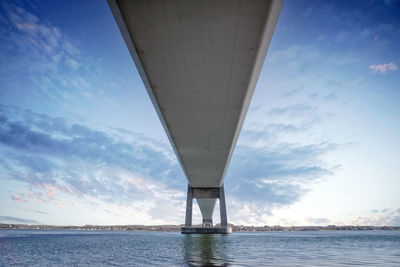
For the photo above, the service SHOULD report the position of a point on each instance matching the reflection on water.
(205, 250)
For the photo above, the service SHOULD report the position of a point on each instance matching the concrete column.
(222, 207)
(189, 206)
(207, 223)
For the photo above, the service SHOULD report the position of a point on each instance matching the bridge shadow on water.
(205, 250)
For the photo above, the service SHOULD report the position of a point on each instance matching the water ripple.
(122, 248)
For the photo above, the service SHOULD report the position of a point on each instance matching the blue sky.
(80, 142)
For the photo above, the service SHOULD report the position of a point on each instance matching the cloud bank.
(54, 158)
(383, 68)
(10, 219)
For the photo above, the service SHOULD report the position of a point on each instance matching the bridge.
(200, 62)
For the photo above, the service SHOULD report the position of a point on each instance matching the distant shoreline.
(177, 228)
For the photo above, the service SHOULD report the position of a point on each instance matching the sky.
(81, 143)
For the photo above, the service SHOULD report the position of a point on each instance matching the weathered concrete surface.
(200, 62)
(207, 207)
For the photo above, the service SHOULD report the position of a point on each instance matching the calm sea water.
(103, 248)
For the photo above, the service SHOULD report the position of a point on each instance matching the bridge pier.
(207, 226)
(189, 206)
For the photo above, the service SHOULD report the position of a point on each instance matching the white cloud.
(18, 199)
(383, 68)
(73, 63)
(42, 58)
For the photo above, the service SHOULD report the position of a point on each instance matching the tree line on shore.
(177, 228)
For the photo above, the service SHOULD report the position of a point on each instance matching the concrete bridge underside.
(200, 62)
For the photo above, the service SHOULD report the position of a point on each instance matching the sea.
(135, 248)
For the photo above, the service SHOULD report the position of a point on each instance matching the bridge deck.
(200, 62)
